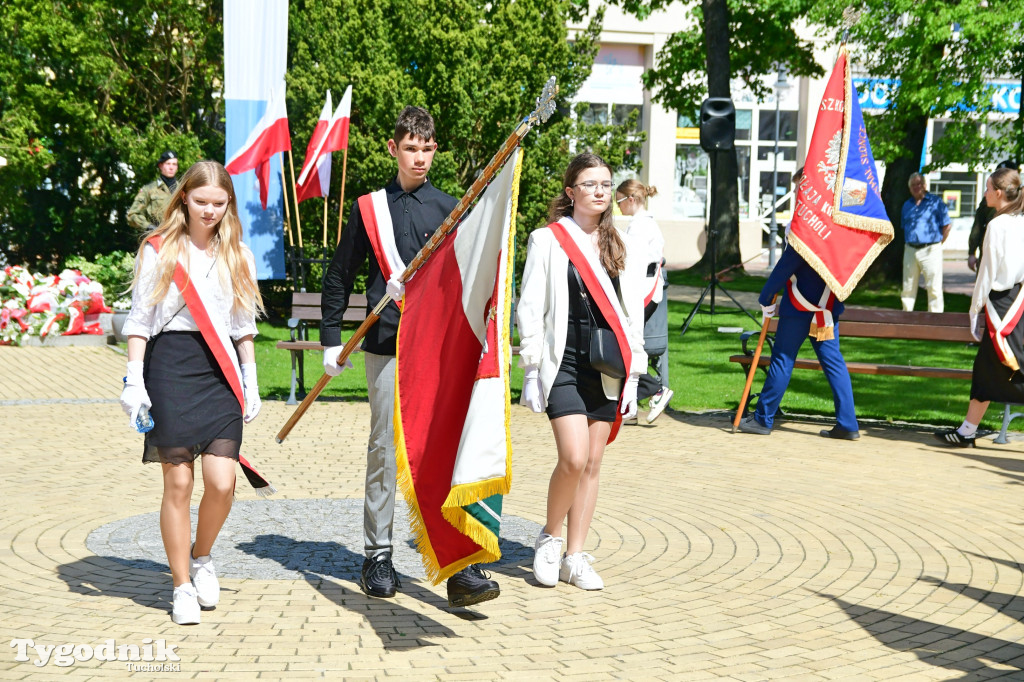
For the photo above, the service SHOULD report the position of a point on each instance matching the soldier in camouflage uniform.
(148, 208)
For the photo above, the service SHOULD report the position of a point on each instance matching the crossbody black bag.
(603, 351)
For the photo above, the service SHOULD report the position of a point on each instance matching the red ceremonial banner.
(840, 225)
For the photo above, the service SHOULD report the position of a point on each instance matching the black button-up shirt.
(415, 215)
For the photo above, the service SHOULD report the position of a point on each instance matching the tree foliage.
(941, 56)
(102, 87)
(477, 66)
(91, 91)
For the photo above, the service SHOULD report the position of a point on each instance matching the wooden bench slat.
(867, 368)
(909, 332)
(301, 345)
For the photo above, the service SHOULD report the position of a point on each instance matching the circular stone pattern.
(290, 540)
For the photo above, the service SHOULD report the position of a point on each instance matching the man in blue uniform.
(808, 308)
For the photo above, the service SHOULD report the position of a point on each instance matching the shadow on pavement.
(397, 626)
(941, 646)
(145, 582)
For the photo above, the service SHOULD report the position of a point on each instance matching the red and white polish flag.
(315, 176)
(452, 406)
(270, 136)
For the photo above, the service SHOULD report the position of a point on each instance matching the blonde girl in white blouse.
(195, 407)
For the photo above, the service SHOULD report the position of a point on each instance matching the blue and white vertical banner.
(255, 59)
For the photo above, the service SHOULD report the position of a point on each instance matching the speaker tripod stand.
(714, 282)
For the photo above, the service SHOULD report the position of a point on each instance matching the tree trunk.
(724, 171)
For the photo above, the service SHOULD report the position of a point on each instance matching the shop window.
(692, 181)
(621, 113)
(786, 152)
(787, 125)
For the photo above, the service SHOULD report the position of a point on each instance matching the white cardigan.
(543, 310)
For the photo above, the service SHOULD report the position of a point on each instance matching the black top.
(415, 216)
(579, 328)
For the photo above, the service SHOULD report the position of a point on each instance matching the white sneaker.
(659, 401)
(204, 577)
(576, 570)
(548, 549)
(186, 607)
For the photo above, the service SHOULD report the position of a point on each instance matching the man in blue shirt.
(925, 226)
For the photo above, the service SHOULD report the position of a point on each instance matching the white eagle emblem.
(829, 168)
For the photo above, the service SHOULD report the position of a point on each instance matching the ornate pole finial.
(850, 17)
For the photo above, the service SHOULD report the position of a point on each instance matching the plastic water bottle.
(144, 422)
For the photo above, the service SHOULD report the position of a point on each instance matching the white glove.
(396, 288)
(331, 366)
(134, 396)
(533, 396)
(251, 392)
(977, 326)
(768, 312)
(629, 396)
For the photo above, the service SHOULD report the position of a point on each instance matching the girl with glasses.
(583, 280)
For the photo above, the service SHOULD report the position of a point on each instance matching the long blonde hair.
(226, 241)
(612, 250)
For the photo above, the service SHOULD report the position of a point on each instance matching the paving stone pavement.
(725, 556)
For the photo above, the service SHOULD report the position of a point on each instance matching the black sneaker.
(378, 578)
(471, 585)
(953, 437)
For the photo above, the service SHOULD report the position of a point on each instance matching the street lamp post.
(780, 84)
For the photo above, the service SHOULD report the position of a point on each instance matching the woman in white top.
(582, 281)
(996, 319)
(190, 361)
(631, 196)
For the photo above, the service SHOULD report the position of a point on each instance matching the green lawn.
(704, 379)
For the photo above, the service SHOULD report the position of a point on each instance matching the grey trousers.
(381, 470)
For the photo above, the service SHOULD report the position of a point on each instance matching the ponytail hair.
(1008, 180)
(611, 249)
(637, 190)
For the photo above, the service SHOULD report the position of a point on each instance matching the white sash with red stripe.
(823, 327)
(373, 208)
(1000, 327)
(654, 289)
(577, 246)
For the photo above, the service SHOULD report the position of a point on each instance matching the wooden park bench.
(306, 312)
(876, 323)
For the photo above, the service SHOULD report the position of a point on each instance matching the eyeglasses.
(590, 186)
(619, 201)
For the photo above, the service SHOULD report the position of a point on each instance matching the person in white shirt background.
(173, 370)
(631, 197)
(998, 295)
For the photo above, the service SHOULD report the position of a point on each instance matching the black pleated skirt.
(991, 379)
(194, 410)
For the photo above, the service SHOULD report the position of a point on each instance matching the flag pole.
(298, 221)
(287, 221)
(325, 224)
(545, 107)
(753, 370)
(341, 198)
